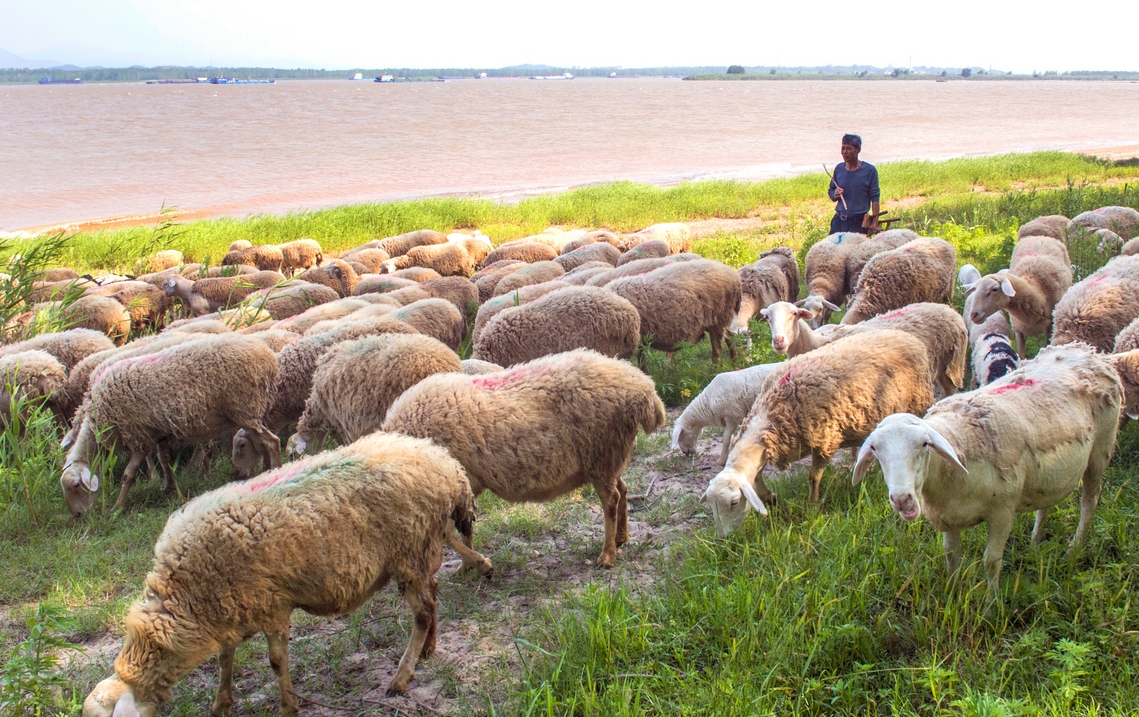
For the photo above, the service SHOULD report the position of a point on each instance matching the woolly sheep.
(449, 259)
(300, 254)
(418, 274)
(343, 276)
(222, 384)
(356, 382)
(582, 274)
(1128, 338)
(240, 244)
(540, 429)
(682, 301)
(818, 403)
(598, 251)
(207, 295)
(322, 535)
(920, 270)
(147, 304)
(380, 284)
(318, 275)
(265, 257)
(475, 367)
(437, 318)
(528, 252)
(520, 296)
(724, 402)
(1023, 442)
(1122, 220)
(536, 273)
(651, 249)
(826, 274)
(858, 255)
(32, 375)
(574, 317)
(296, 297)
(400, 244)
(486, 279)
(68, 347)
(1052, 225)
(165, 259)
(1039, 274)
(1126, 365)
(993, 355)
(640, 266)
(97, 313)
(588, 238)
(677, 234)
(459, 291)
(1130, 247)
(1096, 309)
(58, 290)
(332, 310)
(370, 258)
(773, 277)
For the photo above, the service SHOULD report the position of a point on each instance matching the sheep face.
(79, 487)
(783, 317)
(297, 445)
(730, 494)
(170, 285)
(747, 310)
(990, 294)
(246, 459)
(820, 310)
(684, 438)
(902, 444)
(113, 698)
(388, 267)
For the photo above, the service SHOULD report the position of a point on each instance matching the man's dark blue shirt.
(860, 187)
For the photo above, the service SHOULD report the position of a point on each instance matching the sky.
(340, 34)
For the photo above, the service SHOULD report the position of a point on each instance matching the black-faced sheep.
(773, 277)
(920, 270)
(1096, 309)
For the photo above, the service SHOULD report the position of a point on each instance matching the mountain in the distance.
(8, 59)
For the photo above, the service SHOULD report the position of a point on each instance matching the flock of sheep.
(363, 349)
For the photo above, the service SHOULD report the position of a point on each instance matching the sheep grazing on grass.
(448, 259)
(540, 429)
(342, 275)
(437, 318)
(1124, 221)
(357, 381)
(147, 304)
(593, 237)
(322, 535)
(598, 251)
(372, 259)
(1052, 225)
(858, 255)
(682, 301)
(97, 313)
(520, 296)
(459, 291)
(265, 257)
(582, 274)
(208, 295)
(300, 254)
(826, 274)
(1039, 274)
(724, 402)
(820, 402)
(573, 317)
(1126, 365)
(31, 376)
(922, 270)
(651, 249)
(283, 302)
(400, 244)
(1021, 443)
(536, 273)
(194, 392)
(475, 367)
(640, 266)
(528, 252)
(486, 279)
(68, 347)
(1096, 309)
(773, 277)
(418, 274)
(678, 235)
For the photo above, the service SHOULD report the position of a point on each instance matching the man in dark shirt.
(856, 182)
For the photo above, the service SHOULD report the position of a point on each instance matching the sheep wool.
(265, 257)
(400, 244)
(640, 266)
(1124, 221)
(437, 318)
(283, 302)
(678, 235)
(861, 253)
(528, 252)
(651, 249)
(31, 375)
(773, 277)
(300, 254)
(486, 279)
(588, 238)
(1096, 309)
(475, 367)
(1052, 225)
(540, 429)
(582, 274)
(536, 273)
(68, 347)
(918, 271)
(598, 251)
(418, 274)
(519, 296)
(826, 273)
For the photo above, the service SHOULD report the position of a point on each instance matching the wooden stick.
(836, 185)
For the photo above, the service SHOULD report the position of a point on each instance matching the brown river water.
(70, 154)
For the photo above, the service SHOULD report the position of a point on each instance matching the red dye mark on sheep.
(1013, 386)
(1097, 279)
(266, 480)
(796, 368)
(492, 381)
(896, 312)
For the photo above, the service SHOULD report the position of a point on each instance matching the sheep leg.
(423, 610)
(622, 512)
(717, 349)
(762, 490)
(223, 700)
(1089, 498)
(1038, 527)
(730, 427)
(1021, 345)
(947, 386)
(128, 477)
(471, 558)
(164, 465)
(731, 344)
(1000, 527)
(818, 466)
(279, 661)
(610, 502)
(951, 542)
(429, 642)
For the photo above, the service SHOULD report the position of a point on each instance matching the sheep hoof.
(606, 561)
(397, 687)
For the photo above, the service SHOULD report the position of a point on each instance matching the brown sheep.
(300, 254)
(826, 274)
(773, 277)
(265, 257)
(920, 270)
(598, 251)
(69, 347)
(486, 279)
(651, 249)
(591, 238)
(640, 266)
(677, 234)
(342, 275)
(402, 243)
(528, 252)
(450, 259)
(1053, 225)
(380, 284)
(437, 318)
(282, 302)
(370, 258)
(418, 274)
(858, 255)
(1096, 309)
(536, 273)
(489, 309)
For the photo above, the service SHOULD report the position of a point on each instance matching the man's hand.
(837, 192)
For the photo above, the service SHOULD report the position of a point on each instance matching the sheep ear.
(300, 446)
(88, 480)
(753, 498)
(800, 302)
(865, 456)
(941, 446)
(970, 289)
(1133, 414)
(830, 306)
(704, 496)
(126, 706)
(805, 314)
(1006, 287)
(1002, 271)
(763, 313)
(68, 440)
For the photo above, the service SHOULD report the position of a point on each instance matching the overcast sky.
(1020, 36)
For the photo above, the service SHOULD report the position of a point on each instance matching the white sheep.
(724, 402)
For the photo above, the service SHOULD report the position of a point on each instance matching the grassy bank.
(837, 608)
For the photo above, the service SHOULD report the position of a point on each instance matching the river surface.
(84, 152)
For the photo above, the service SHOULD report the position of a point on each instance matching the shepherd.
(854, 190)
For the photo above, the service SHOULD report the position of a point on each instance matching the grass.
(837, 608)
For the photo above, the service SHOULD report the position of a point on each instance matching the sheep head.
(296, 446)
(246, 459)
(113, 698)
(730, 494)
(79, 486)
(684, 438)
(388, 267)
(820, 307)
(968, 277)
(784, 317)
(990, 294)
(902, 444)
(747, 310)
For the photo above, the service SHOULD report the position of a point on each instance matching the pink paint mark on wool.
(1013, 386)
(265, 480)
(797, 368)
(492, 381)
(896, 313)
(1097, 279)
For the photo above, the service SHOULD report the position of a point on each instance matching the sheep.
(1126, 365)
(1130, 247)
(1096, 309)
(536, 273)
(69, 347)
(540, 429)
(651, 249)
(475, 367)
(1107, 242)
(400, 244)
(296, 297)
(1122, 220)
(486, 279)
(265, 257)
(937, 326)
(222, 384)
(818, 403)
(574, 317)
(300, 254)
(418, 274)
(724, 402)
(58, 290)
(165, 259)
(437, 318)
(640, 266)
(826, 274)
(993, 354)
(1052, 225)
(449, 259)
(207, 295)
(240, 244)
(920, 270)
(57, 274)
(32, 375)
(773, 277)
(372, 259)
(146, 303)
(677, 234)
(342, 275)
(519, 296)
(682, 301)
(598, 251)
(356, 382)
(592, 237)
(1128, 338)
(858, 255)
(97, 313)
(380, 284)
(528, 252)
(459, 291)
(338, 309)
(1039, 274)
(1023, 442)
(582, 274)
(323, 535)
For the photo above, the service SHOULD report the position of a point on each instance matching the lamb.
(1124, 221)
(265, 257)
(300, 254)
(536, 273)
(773, 277)
(574, 317)
(1052, 225)
(1096, 309)
(540, 429)
(357, 381)
(437, 318)
(449, 259)
(826, 274)
(400, 244)
(858, 255)
(32, 375)
(322, 534)
(937, 326)
(520, 296)
(1023, 442)
(69, 347)
(677, 234)
(820, 402)
(486, 279)
(640, 266)
(475, 367)
(296, 297)
(682, 301)
(724, 402)
(920, 270)
(223, 384)
(651, 249)
(1039, 274)
(528, 252)
(207, 295)
(598, 251)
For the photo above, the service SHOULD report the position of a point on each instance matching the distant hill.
(8, 59)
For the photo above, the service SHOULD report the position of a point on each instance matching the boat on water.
(231, 81)
(385, 78)
(566, 76)
(358, 76)
(49, 81)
